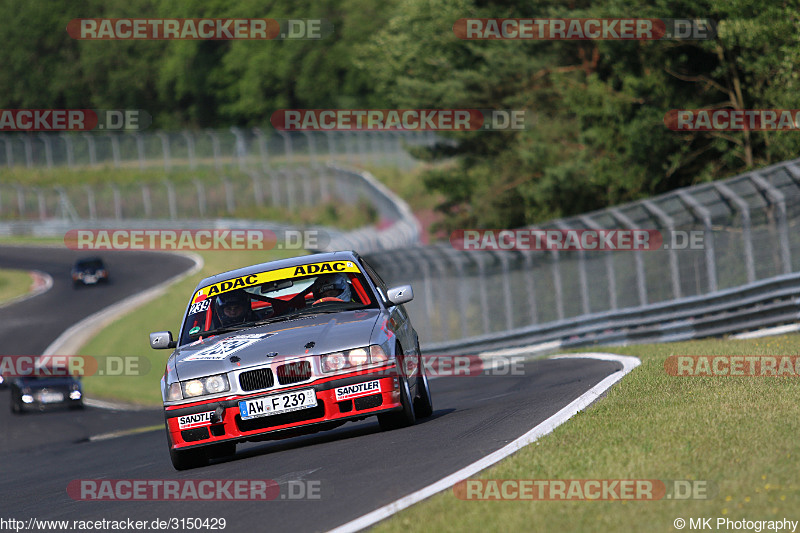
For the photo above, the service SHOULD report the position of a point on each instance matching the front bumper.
(227, 425)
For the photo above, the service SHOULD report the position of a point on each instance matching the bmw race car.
(286, 348)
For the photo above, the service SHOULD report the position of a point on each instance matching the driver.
(332, 286)
(233, 308)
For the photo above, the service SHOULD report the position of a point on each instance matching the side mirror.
(400, 295)
(162, 340)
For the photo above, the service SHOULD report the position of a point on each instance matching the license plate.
(277, 403)
(51, 397)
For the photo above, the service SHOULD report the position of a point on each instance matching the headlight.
(352, 358)
(203, 386)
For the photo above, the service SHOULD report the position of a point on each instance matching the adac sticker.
(222, 349)
(273, 275)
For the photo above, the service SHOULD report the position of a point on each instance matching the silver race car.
(286, 348)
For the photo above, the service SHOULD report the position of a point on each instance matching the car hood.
(280, 341)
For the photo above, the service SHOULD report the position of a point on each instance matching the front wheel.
(400, 419)
(423, 403)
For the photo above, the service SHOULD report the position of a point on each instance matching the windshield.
(273, 296)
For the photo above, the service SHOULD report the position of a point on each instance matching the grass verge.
(13, 284)
(737, 433)
(128, 335)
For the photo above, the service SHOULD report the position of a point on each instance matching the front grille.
(294, 372)
(265, 422)
(192, 435)
(256, 379)
(368, 402)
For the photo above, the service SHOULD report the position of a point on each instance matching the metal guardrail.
(761, 304)
(750, 246)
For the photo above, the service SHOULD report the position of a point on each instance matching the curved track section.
(356, 468)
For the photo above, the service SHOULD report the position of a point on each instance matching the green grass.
(13, 283)
(740, 434)
(128, 336)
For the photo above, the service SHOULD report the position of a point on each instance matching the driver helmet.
(233, 307)
(332, 286)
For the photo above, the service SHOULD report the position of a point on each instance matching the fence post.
(171, 200)
(165, 150)
(262, 149)
(91, 147)
(609, 263)
(201, 197)
(241, 148)
(48, 149)
(582, 279)
(9, 150)
(637, 256)
(67, 138)
(117, 202)
(215, 148)
(26, 141)
(668, 222)
(747, 241)
(140, 149)
(91, 202)
(114, 149)
(705, 215)
(190, 148)
(776, 197)
(148, 207)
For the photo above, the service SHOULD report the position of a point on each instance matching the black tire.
(188, 459)
(423, 403)
(400, 419)
(16, 407)
(76, 405)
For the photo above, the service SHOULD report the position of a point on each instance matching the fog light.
(27, 398)
(75, 395)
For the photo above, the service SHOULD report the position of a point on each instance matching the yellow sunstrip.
(273, 275)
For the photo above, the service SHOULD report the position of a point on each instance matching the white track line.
(577, 405)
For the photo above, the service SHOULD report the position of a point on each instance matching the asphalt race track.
(355, 468)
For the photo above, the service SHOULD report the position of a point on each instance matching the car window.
(243, 302)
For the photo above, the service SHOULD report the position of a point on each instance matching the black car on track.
(89, 271)
(39, 393)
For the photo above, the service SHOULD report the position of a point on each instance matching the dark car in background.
(89, 271)
(39, 393)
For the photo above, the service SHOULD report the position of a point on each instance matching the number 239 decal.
(199, 307)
